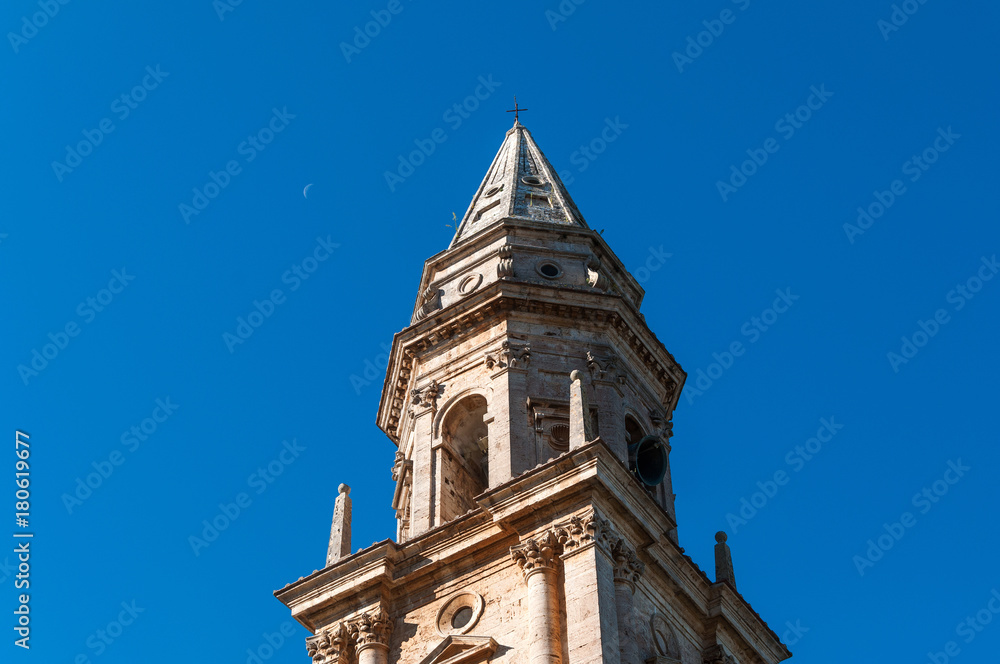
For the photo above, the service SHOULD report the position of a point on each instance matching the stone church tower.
(531, 407)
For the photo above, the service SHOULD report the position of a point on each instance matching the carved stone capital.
(505, 268)
(716, 655)
(427, 396)
(508, 356)
(538, 553)
(582, 529)
(628, 567)
(331, 646)
(373, 628)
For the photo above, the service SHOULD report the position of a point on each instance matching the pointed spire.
(520, 184)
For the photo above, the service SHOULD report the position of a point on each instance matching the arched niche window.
(464, 464)
(633, 431)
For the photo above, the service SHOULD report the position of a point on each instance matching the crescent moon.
(305, 192)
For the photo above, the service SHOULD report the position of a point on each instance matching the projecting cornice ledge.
(360, 577)
(728, 610)
(592, 468)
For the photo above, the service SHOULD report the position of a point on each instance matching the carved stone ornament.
(664, 638)
(627, 565)
(605, 368)
(427, 396)
(582, 529)
(430, 301)
(505, 268)
(716, 655)
(371, 628)
(398, 465)
(595, 276)
(508, 356)
(331, 646)
(537, 553)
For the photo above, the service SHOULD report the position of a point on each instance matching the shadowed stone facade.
(529, 530)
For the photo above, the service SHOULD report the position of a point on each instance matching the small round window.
(549, 270)
(492, 191)
(532, 180)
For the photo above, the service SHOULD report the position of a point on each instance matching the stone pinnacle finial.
(723, 561)
(340, 531)
(580, 428)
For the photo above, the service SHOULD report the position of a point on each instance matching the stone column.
(371, 633)
(588, 569)
(608, 380)
(512, 443)
(627, 571)
(422, 485)
(538, 559)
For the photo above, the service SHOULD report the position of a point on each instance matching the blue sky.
(823, 109)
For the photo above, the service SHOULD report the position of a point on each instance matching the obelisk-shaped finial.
(340, 532)
(723, 561)
(581, 431)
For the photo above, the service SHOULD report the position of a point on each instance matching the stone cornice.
(493, 303)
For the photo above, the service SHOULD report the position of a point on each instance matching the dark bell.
(648, 459)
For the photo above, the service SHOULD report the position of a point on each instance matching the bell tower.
(531, 407)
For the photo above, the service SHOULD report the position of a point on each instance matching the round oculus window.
(549, 270)
(532, 180)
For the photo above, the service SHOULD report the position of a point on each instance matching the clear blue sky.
(879, 98)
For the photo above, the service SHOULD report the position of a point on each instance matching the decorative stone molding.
(716, 655)
(537, 553)
(605, 369)
(427, 396)
(331, 646)
(582, 529)
(398, 465)
(505, 268)
(508, 356)
(373, 628)
(664, 638)
(430, 301)
(628, 567)
(460, 613)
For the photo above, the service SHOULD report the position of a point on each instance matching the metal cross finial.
(516, 110)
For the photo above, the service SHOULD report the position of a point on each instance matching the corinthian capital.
(331, 646)
(537, 553)
(628, 567)
(371, 628)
